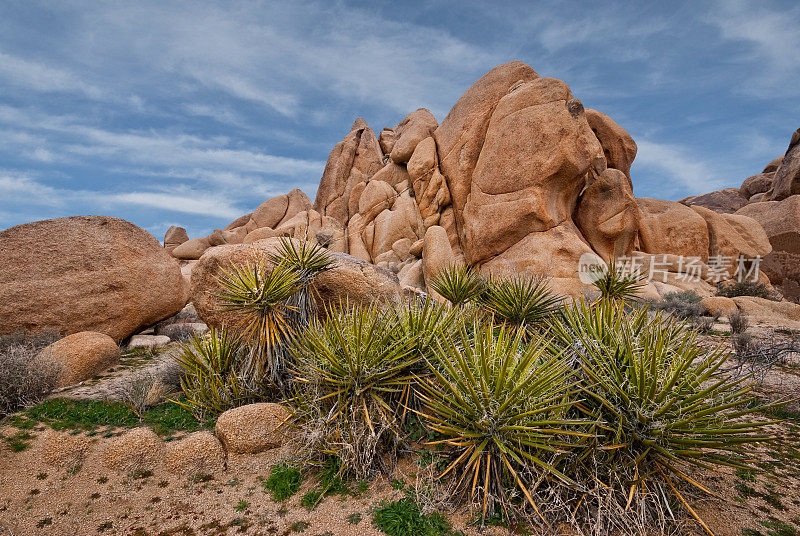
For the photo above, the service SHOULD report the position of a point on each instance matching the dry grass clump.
(24, 379)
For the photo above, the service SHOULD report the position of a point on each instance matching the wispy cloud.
(686, 171)
(15, 70)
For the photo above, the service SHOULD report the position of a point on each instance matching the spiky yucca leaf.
(307, 261)
(500, 406)
(426, 321)
(258, 298)
(458, 284)
(615, 284)
(352, 373)
(520, 302)
(209, 378)
(663, 402)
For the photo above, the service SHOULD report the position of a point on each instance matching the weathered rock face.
(725, 201)
(757, 184)
(191, 249)
(619, 148)
(414, 128)
(781, 222)
(81, 356)
(669, 227)
(86, 273)
(354, 159)
(536, 154)
(253, 428)
(787, 175)
(730, 236)
(608, 215)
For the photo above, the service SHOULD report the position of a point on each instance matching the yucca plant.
(258, 297)
(458, 284)
(351, 375)
(521, 302)
(306, 260)
(615, 284)
(209, 377)
(663, 403)
(500, 407)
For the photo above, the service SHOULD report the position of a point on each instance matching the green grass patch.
(284, 481)
(87, 415)
(311, 499)
(19, 441)
(403, 518)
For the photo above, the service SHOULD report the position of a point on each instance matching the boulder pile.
(518, 178)
(772, 198)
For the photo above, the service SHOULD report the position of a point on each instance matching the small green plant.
(311, 499)
(241, 506)
(404, 518)
(521, 303)
(354, 518)
(211, 380)
(299, 526)
(458, 284)
(747, 288)
(615, 284)
(739, 322)
(258, 298)
(684, 304)
(284, 481)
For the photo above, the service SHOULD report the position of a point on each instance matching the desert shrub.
(684, 304)
(352, 375)
(747, 288)
(283, 482)
(259, 297)
(136, 393)
(24, 379)
(306, 261)
(520, 302)
(739, 322)
(499, 406)
(211, 380)
(458, 284)
(662, 403)
(404, 518)
(615, 284)
(423, 322)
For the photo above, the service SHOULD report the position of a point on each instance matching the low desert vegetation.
(747, 288)
(24, 379)
(519, 406)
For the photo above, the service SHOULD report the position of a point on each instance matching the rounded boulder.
(86, 273)
(81, 356)
(252, 428)
(139, 449)
(199, 452)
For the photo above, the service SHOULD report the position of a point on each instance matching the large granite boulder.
(81, 356)
(86, 273)
(619, 148)
(727, 200)
(787, 175)
(670, 227)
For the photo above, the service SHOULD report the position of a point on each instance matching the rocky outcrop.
(354, 159)
(619, 149)
(81, 356)
(86, 273)
(669, 227)
(787, 174)
(756, 184)
(414, 128)
(725, 201)
(608, 215)
(781, 222)
(174, 237)
(253, 428)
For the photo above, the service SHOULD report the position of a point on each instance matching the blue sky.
(193, 113)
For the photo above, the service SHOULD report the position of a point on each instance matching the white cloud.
(18, 71)
(675, 162)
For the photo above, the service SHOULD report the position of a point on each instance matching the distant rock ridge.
(518, 178)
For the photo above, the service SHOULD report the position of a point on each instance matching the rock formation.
(86, 273)
(518, 177)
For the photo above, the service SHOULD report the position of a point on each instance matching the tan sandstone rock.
(669, 227)
(619, 148)
(279, 209)
(253, 428)
(414, 128)
(86, 273)
(199, 452)
(353, 160)
(437, 253)
(191, 249)
(82, 356)
(719, 305)
(781, 222)
(787, 175)
(139, 449)
(725, 201)
(733, 236)
(174, 237)
(757, 184)
(608, 215)
(775, 314)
